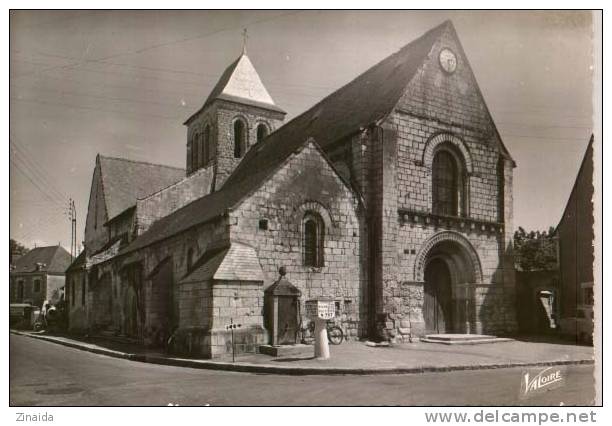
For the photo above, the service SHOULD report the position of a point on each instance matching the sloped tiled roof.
(126, 180)
(240, 83)
(238, 262)
(55, 258)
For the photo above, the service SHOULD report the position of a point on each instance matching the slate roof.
(238, 262)
(240, 83)
(367, 99)
(126, 180)
(587, 157)
(56, 259)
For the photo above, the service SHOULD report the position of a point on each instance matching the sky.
(121, 83)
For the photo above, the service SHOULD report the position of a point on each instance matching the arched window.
(262, 132)
(448, 188)
(189, 259)
(201, 150)
(313, 240)
(194, 152)
(206, 145)
(239, 138)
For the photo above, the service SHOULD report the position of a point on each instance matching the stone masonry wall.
(434, 104)
(307, 183)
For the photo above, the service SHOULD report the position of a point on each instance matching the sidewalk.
(357, 358)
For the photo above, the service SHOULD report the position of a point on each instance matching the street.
(43, 373)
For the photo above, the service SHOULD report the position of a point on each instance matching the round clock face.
(448, 60)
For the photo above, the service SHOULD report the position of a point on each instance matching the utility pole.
(72, 218)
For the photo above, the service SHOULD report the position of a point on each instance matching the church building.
(392, 196)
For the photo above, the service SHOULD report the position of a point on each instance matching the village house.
(576, 237)
(392, 196)
(39, 275)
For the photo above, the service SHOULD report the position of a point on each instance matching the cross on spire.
(245, 36)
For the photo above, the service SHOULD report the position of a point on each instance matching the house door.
(287, 320)
(437, 306)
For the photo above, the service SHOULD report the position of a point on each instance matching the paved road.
(43, 373)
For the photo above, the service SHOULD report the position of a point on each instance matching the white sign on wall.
(324, 309)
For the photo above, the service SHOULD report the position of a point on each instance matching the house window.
(263, 224)
(37, 286)
(207, 155)
(262, 132)
(20, 290)
(313, 239)
(72, 292)
(448, 192)
(239, 138)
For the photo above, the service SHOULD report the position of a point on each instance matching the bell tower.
(238, 113)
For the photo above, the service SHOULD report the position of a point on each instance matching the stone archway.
(449, 267)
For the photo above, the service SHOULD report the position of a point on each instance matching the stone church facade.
(392, 196)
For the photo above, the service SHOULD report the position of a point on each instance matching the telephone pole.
(73, 237)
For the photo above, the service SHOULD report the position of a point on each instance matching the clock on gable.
(448, 60)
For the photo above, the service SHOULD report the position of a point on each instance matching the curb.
(294, 371)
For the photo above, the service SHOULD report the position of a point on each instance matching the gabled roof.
(587, 157)
(240, 83)
(238, 262)
(55, 259)
(124, 181)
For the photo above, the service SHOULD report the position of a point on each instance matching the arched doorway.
(437, 303)
(450, 269)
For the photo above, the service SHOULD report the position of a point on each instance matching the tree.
(16, 248)
(536, 250)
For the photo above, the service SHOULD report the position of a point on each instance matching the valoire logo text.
(549, 378)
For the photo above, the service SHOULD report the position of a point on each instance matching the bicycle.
(335, 335)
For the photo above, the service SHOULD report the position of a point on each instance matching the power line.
(36, 185)
(37, 169)
(158, 45)
(92, 108)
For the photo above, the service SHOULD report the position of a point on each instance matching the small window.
(239, 138)
(263, 224)
(189, 259)
(37, 286)
(83, 291)
(72, 292)
(313, 239)
(19, 290)
(589, 297)
(262, 132)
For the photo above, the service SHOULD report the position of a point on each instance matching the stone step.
(463, 339)
(298, 350)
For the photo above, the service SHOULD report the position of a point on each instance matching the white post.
(321, 343)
